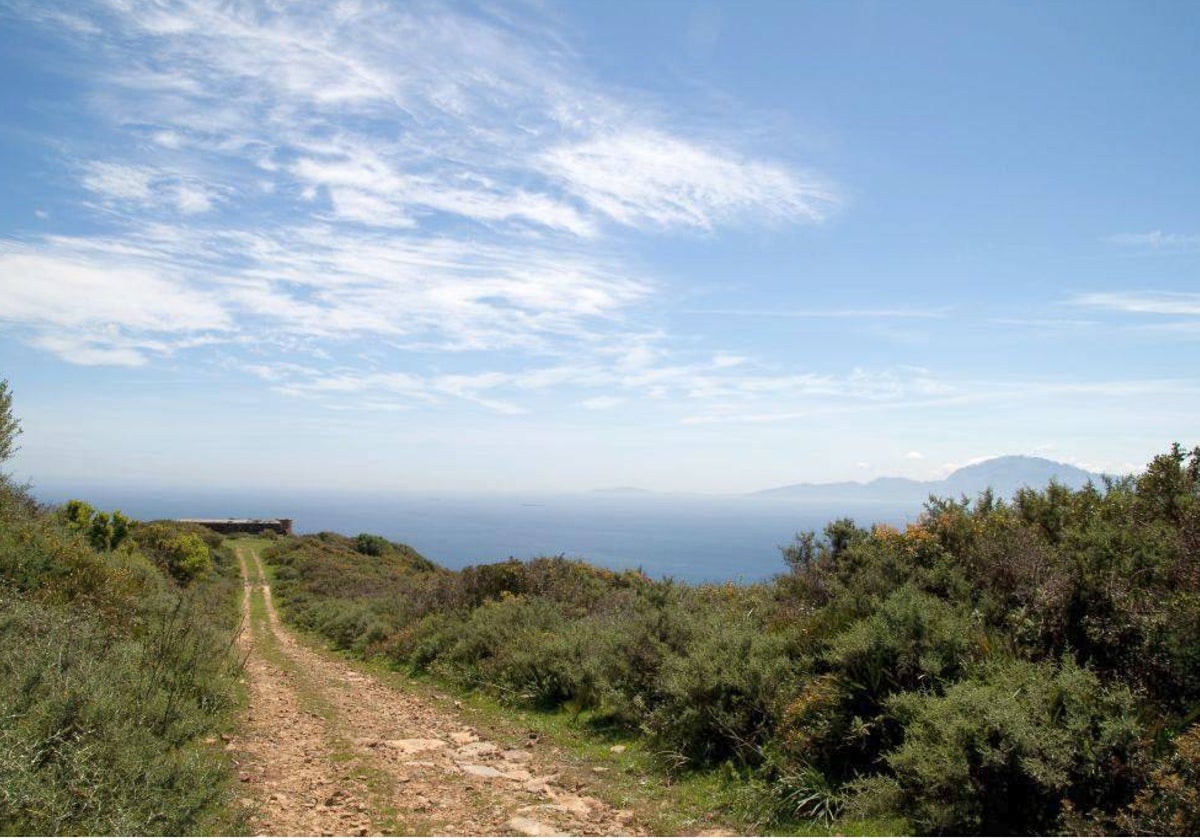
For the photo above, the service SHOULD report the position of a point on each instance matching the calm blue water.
(692, 538)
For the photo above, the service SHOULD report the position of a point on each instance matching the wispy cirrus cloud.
(901, 391)
(885, 313)
(393, 186)
(637, 177)
(716, 390)
(1157, 240)
(147, 187)
(1142, 303)
(315, 283)
(98, 307)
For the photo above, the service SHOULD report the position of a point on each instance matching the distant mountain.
(622, 491)
(1003, 475)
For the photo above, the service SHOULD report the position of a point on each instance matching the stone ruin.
(244, 526)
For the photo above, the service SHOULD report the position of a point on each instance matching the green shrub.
(912, 640)
(1001, 751)
(370, 545)
(184, 556)
(721, 696)
(98, 735)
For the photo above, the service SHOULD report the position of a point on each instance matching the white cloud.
(190, 199)
(640, 177)
(149, 187)
(485, 122)
(120, 181)
(1157, 240)
(728, 360)
(92, 308)
(891, 313)
(603, 403)
(79, 291)
(914, 456)
(423, 182)
(1145, 303)
(722, 393)
(81, 351)
(169, 139)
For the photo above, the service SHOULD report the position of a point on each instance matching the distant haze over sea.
(695, 538)
(1004, 475)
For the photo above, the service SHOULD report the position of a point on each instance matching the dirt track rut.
(329, 750)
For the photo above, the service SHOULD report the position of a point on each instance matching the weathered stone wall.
(245, 526)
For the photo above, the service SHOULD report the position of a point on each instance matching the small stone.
(617, 748)
(464, 737)
(577, 805)
(408, 746)
(481, 770)
(540, 786)
(533, 828)
(477, 749)
(516, 755)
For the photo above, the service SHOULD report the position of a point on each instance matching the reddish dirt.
(328, 750)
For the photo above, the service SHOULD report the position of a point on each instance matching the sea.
(691, 538)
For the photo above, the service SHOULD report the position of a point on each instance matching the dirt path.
(328, 750)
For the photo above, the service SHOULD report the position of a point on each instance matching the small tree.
(9, 427)
(76, 515)
(105, 531)
(108, 530)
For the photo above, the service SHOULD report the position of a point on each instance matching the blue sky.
(686, 246)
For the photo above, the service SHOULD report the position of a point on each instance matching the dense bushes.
(111, 677)
(999, 752)
(1024, 666)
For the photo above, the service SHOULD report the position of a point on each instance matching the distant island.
(1004, 475)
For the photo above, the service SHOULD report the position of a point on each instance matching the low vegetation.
(116, 671)
(1001, 666)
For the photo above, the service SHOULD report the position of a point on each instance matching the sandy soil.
(328, 750)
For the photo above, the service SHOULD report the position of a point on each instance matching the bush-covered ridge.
(1023, 666)
(116, 665)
